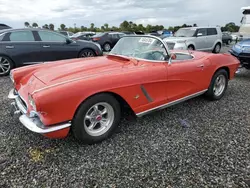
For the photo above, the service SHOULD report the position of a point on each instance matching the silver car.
(196, 38)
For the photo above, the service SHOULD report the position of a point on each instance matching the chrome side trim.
(29, 124)
(170, 104)
(144, 91)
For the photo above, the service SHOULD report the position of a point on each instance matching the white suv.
(196, 38)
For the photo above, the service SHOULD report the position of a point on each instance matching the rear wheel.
(218, 85)
(5, 65)
(96, 119)
(86, 53)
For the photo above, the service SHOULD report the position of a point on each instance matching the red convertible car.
(88, 95)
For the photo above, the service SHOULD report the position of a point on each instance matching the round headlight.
(32, 102)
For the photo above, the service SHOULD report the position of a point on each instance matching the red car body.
(60, 87)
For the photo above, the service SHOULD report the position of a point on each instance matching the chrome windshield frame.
(149, 36)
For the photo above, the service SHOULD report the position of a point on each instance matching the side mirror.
(199, 34)
(68, 41)
(172, 57)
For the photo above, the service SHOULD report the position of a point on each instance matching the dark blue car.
(241, 50)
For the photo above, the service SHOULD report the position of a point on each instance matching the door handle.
(9, 47)
(46, 46)
(200, 66)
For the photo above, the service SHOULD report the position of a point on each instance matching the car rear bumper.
(33, 123)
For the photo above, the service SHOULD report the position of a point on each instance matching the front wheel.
(107, 47)
(96, 118)
(86, 53)
(218, 85)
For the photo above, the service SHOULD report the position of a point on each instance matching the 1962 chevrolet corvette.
(86, 96)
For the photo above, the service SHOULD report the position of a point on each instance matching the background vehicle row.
(20, 47)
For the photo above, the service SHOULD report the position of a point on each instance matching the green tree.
(106, 26)
(51, 27)
(26, 24)
(92, 25)
(124, 25)
(45, 26)
(62, 27)
(34, 25)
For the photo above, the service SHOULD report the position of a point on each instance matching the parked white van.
(196, 38)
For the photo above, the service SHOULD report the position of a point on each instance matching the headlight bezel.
(32, 102)
(12, 77)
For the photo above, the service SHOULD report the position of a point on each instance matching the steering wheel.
(157, 55)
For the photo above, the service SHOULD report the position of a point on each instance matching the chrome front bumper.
(34, 123)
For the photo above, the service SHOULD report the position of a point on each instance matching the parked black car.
(4, 26)
(20, 47)
(107, 40)
(82, 36)
(226, 38)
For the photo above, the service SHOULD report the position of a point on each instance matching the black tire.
(229, 42)
(191, 47)
(107, 47)
(86, 53)
(4, 60)
(210, 94)
(217, 48)
(79, 127)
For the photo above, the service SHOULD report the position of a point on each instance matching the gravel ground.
(193, 144)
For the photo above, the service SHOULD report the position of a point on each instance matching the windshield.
(148, 48)
(185, 33)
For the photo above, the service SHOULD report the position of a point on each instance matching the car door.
(187, 77)
(211, 37)
(201, 39)
(21, 47)
(54, 46)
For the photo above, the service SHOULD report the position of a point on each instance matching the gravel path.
(194, 144)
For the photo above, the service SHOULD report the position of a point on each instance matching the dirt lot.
(194, 144)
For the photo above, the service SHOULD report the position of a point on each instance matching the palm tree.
(34, 25)
(51, 27)
(26, 24)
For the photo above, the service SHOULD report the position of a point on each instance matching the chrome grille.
(21, 104)
(170, 45)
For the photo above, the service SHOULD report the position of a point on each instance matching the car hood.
(175, 39)
(74, 69)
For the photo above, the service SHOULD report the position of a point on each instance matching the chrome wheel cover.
(4, 65)
(217, 48)
(87, 54)
(107, 47)
(98, 119)
(219, 85)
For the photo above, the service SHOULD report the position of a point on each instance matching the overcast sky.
(113, 12)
